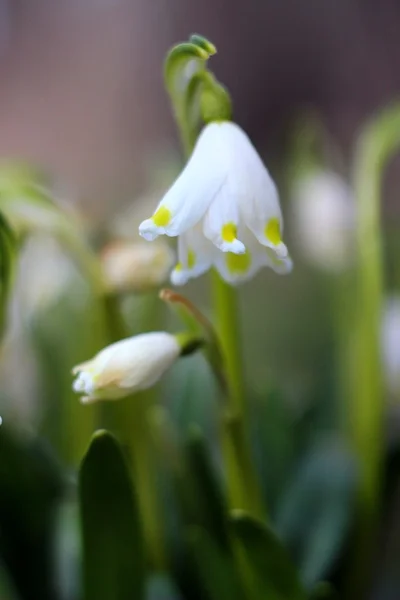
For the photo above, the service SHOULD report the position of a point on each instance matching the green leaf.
(215, 568)
(315, 514)
(160, 587)
(8, 251)
(25, 201)
(204, 501)
(30, 490)
(266, 569)
(323, 591)
(273, 435)
(113, 555)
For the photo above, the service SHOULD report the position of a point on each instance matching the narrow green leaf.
(161, 587)
(207, 497)
(113, 555)
(266, 569)
(216, 568)
(323, 591)
(30, 489)
(8, 252)
(315, 514)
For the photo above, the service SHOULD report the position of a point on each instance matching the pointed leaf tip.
(113, 555)
(266, 568)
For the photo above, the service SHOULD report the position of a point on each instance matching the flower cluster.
(225, 209)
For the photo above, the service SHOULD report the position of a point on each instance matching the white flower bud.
(390, 340)
(323, 219)
(126, 367)
(136, 267)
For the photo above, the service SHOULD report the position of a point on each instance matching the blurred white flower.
(136, 267)
(45, 274)
(323, 216)
(390, 340)
(225, 209)
(126, 367)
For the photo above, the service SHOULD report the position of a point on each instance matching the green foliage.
(214, 566)
(30, 488)
(199, 493)
(316, 512)
(113, 555)
(264, 564)
(7, 262)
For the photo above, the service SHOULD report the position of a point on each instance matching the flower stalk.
(214, 104)
(378, 142)
(129, 417)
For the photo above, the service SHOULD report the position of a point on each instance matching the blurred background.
(83, 99)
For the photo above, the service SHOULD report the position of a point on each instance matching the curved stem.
(378, 142)
(243, 486)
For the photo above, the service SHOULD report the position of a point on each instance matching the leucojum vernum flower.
(224, 208)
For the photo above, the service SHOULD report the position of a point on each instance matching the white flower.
(126, 367)
(390, 339)
(323, 219)
(225, 209)
(137, 267)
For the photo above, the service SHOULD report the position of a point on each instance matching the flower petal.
(195, 255)
(282, 266)
(237, 268)
(221, 222)
(188, 199)
(252, 187)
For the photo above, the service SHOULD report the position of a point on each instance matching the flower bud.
(390, 341)
(323, 220)
(128, 366)
(136, 267)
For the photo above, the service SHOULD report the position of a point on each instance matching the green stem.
(129, 418)
(243, 488)
(242, 480)
(84, 257)
(226, 311)
(141, 447)
(378, 142)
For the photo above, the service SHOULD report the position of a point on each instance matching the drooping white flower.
(136, 267)
(323, 219)
(225, 209)
(126, 367)
(390, 340)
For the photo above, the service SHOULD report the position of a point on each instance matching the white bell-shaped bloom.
(323, 215)
(223, 206)
(126, 367)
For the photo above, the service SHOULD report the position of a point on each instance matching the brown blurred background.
(82, 91)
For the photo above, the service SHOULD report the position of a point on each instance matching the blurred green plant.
(8, 250)
(155, 493)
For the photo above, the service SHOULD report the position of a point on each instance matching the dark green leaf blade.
(8, 252)
(113, 555)
(215, 568)
(265, 566)
(209, 509)
(31, 486)
(316, 511)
